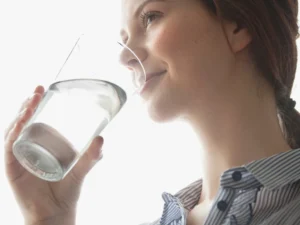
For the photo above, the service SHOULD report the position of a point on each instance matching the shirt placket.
(235, 196)
(221, 206)
(232, 205)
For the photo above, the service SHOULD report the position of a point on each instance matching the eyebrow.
(143, 4)
(139, 9)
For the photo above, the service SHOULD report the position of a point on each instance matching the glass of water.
(88, 92)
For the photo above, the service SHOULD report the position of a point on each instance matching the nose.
(129, 60)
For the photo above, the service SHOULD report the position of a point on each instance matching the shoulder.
(289, 214)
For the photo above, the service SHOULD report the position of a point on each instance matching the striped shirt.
(263, 192)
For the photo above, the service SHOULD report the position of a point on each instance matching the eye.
(148, 17)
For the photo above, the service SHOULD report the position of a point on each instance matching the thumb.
(88, 160)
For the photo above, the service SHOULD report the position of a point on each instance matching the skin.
(43, 202)
(210, 82)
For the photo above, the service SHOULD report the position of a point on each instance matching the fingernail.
(35, 90)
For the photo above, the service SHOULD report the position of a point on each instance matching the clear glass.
(89, 91)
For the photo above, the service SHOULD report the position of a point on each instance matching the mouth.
(152, 75)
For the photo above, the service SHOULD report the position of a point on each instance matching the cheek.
(197, 59)
(162, 42)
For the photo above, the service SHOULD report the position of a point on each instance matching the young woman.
(225, 66)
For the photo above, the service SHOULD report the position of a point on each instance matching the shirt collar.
(190, 195)
(272, 173)
(278, 170)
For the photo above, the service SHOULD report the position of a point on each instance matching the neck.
(239, 129)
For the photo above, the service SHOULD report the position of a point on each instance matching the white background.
(141, 159)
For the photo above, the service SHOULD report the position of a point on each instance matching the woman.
(225, 66)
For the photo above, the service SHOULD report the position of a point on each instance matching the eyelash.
(146, 15)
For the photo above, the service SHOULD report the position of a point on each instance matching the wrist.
(55, 220)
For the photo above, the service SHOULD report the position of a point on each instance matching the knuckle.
(77, 178)
(23, 112)
(17, 129)
(21, 119)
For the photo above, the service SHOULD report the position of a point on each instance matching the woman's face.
(185, 45)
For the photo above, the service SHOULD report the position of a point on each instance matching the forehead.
(128, 7)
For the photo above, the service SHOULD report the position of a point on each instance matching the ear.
(237, 35)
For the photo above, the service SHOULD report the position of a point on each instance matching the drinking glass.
(88, 92)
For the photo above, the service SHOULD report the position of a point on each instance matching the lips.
(151, 75)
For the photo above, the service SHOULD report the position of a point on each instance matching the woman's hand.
(43, 202)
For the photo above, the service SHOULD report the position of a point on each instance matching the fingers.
(39, 90)
(11, 137)
(17, 127)
(31, 104)
(88, 160)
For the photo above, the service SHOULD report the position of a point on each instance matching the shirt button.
(236, 175)
(222, 205)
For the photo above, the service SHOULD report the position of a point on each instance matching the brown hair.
(274, 29)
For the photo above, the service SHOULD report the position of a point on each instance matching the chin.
(164, 102)
(162, 111)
